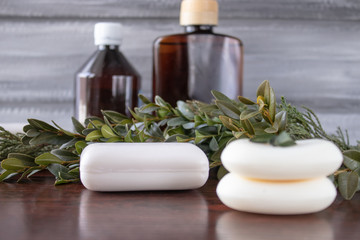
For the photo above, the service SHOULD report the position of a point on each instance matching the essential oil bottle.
(191, 64)
(107, 81)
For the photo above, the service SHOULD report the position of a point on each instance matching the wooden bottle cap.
(199, 12)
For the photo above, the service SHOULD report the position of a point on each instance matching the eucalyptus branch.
(211, 126)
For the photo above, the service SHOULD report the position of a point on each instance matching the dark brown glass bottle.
(191, 64)
(107, 81)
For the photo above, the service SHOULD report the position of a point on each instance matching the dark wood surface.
(38, 210)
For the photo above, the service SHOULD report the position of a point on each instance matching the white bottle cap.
(107, 33)
(199, 12)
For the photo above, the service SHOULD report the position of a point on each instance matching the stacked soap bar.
(279, 180)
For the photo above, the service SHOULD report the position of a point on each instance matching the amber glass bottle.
(191, 64)
(107, 81)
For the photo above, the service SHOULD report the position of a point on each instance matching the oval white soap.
(307, 159)
(143, 166)
(276, 197)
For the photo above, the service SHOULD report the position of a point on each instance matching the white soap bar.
(276, 197)
(143, 166)
(307, 159)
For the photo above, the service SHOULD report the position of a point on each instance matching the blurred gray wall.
(308, 49)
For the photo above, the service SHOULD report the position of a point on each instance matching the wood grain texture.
(312, 63)
(254, 9)
(38, 210)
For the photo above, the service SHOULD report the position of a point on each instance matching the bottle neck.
(199, 29)
(108, 47)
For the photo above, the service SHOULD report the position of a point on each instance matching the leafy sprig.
(307, 125)
(210, 126)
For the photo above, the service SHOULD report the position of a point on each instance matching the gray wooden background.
(308, 49)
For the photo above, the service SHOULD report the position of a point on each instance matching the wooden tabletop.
(39, 210)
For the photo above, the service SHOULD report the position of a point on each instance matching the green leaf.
(267, 93)
(246, 124)
(208, 130)
(70, 143)
(185, 110)
(61, 172)
(77, 125)
(49, 138)
(128, 137)
(121, 130)
(95, 124)
(65, 155)
(210, 121)
(79, 146)
(41, 125)
(25, 140)
(107, 132)
(281, 120)
(189, 125)
(238, 134)
(16, 164)
(261, 104)
(177, 122)
(248, 114)
(221, 172)
(262, 88)
(263, 138)
(75, 171)
(352, 154)
(94, 120)
(114, 139)
(198, 120)
(162, 112)
(216, 156)
(94, 135)
(207, 109)
(107, 122)
(136, 116)
(144, 99)
(142, 136)
(272, 104)
(283, 140)
(115, 117)
(228, 123)
(272, 129)
(173, 138)
(199, 137)
(29, 172)
(46, 159)
(32, 132)
(228, 109)
(214, 146)
(87, 131)
(159, 101)
(350, 163)
(180, 139)
(63, 181)
(27, 128)
(163, 122)
(246, 100)
(149, 108)
(220, 96)
(21, 156)
(63, 130)
(155, 131)
(7, 174)
(348, 183)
